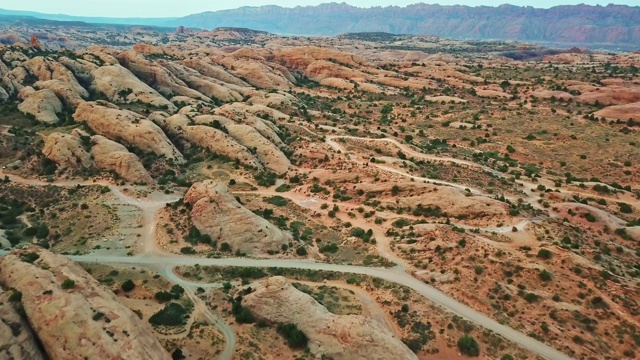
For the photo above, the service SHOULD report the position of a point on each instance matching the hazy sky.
(174, 8)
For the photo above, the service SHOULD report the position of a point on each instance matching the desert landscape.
(236, 194)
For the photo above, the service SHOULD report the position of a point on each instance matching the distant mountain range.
(592, 26)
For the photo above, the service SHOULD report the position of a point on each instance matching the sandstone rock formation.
(44, 105)
(65, 92)
(267, 152)
(348, 337)
(120, 85)
(111, 156)
(620, 112)
(17, 341)
(66, 151)
(217, 213)
(212, 88)
(214, 71)
(202, 133)
(162, 79)
(259, 74)
(45, 69)
(65, 320)
(128, 127)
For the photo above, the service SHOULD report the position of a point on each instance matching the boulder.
(67, 151)
(268, 153)
(44, 105)
(65, 91)
(162, 79)
(17, 341)
(65, 319)
(212, 88)
(120, 85)
(216, 212)
(45, 69)
(620, 112)
(214, 71)
(338, 337)
(127, 127)
(111, 156)
(205, 135)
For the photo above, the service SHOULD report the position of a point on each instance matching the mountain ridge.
(577, 24)
(574, 25)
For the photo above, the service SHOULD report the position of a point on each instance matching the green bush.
(188, 250)
(277, 201)
(164, 296)
(173, 314)
(468, 346)
(266, 178)
(545, 275)
(301, 251)
(329, 248)
(30, 257)
(242, 314)
(400, 223)
(544, 254)
(16, 296)
(68, 284)
(625, 208)
(295, 338)
(128, 285)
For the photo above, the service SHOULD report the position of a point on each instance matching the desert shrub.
(362, 234)
(195, 237)
(187, 250)
(329, 248)
(468, 346)
(173, 314)
(177, 355)
(544, 254)
(242, 314)
(277, 201)
(283, 188)
(400, 223)
(68, 284)
(30, 257)
(128, 285)
(545, 275)
(296, 339)
(16, 296)
(301, 251)
(265, 178)
(177, 291)
(625, 208)
(163, 296)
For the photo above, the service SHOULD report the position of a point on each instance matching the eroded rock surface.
(44, 105)
(127, 127)
(64, 319)
(216, 212)
(17, 341)
(111, 156)
(348, 337)
(67, 151)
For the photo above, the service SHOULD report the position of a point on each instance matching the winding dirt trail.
(152, 256)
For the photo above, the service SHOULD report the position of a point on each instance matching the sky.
(177, 8)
